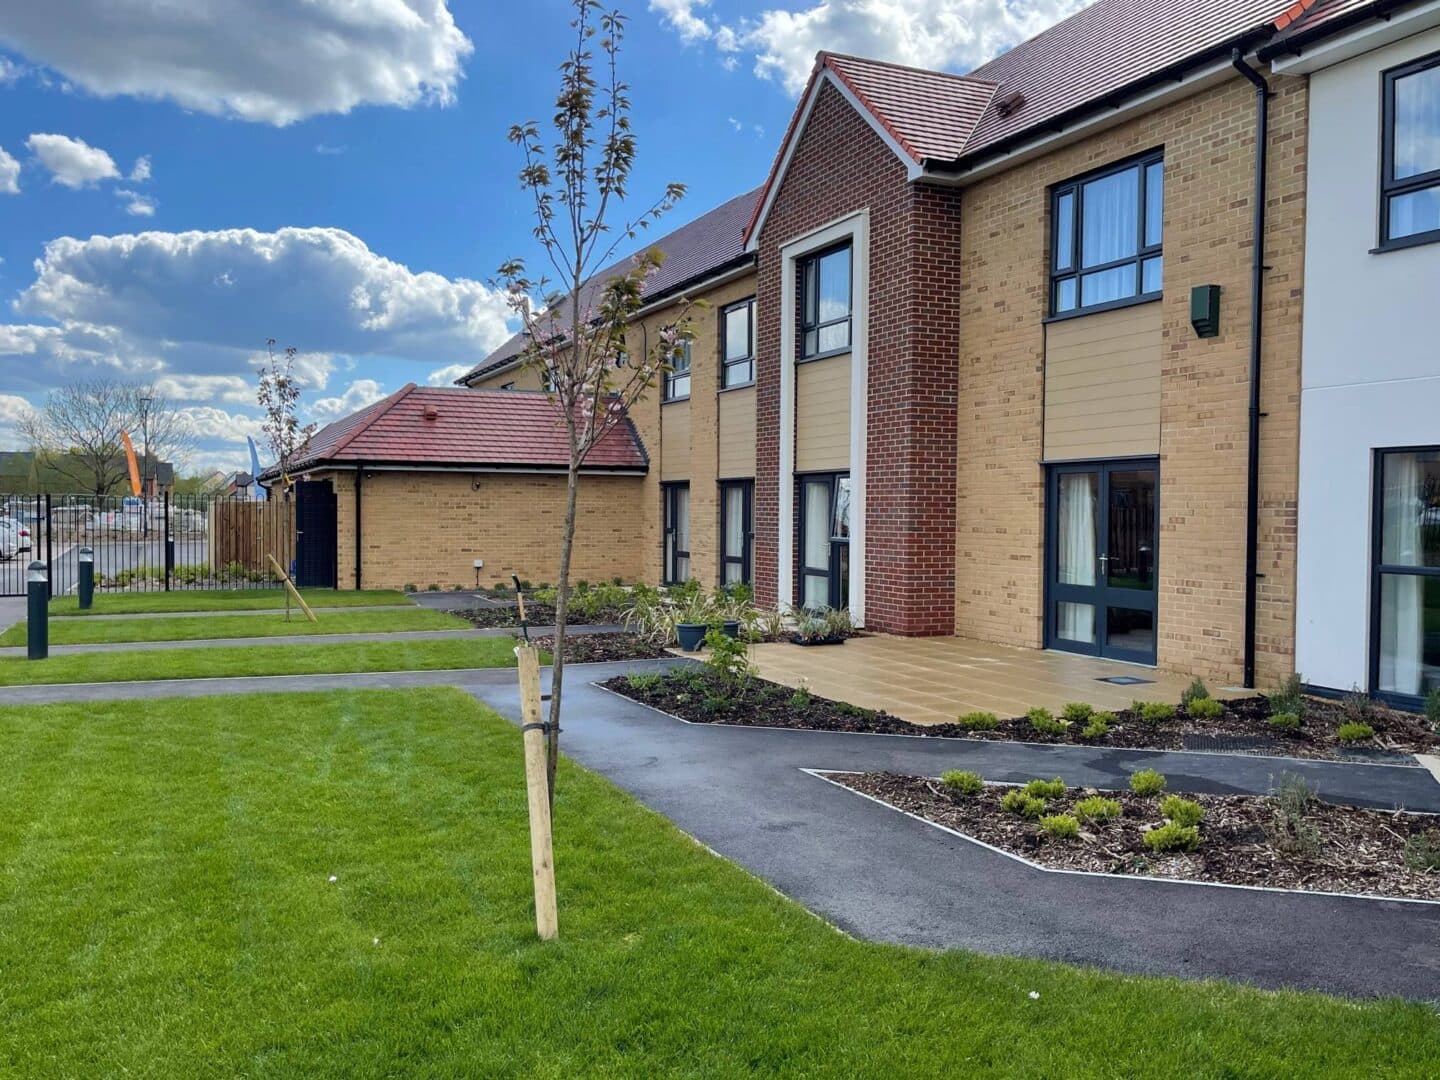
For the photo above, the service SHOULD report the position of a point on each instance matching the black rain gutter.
(1257, 287)
(359, 481)
(1295, 43)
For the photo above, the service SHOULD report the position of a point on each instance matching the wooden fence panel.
(245, 532)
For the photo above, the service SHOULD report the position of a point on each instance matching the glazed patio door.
(1101, 558)
(824, 541)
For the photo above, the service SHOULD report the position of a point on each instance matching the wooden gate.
(242, 533)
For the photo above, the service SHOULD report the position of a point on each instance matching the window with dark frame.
(1106, 231)
(677, 533)
(737, 344)
(677, 375)
(1405, 592)
(737, 503)
(825, 303)
(824, 540)
(1410, 155)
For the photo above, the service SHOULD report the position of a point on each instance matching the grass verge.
(339, 885)
(140, 603)
(200, 627)
(260, 660)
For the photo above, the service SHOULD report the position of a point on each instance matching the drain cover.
(1228, 744)
(1125, 680)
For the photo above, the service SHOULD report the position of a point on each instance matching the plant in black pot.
(694, 614)
(823, 626)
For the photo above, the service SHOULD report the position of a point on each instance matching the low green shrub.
(1153, 712)
(408, 587)
(1206, 708)
(1043, 722)
(1196, 691)
(979, 721)
(1017, 802)
(1099, 725)
(1356, 707)
(1173, 836)
(645, 680)
(1422, 852)
(1288, 697)
(1077, 712)
(1285, 721)
(1294, 831)
(432, 587)
(728, 659)
(716, 703)
(1147, 782)
(962, 782)
(802, 697)
(1060, 826)
(1353, 731)
(1097, 808)
(1045, 789)
(1432, 708)
(1182, 811)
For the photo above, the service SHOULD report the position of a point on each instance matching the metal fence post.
(169, 544)
(49, 538)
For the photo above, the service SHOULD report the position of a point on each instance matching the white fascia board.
(1368, 36)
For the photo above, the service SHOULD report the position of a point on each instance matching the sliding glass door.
(824, 540)
(1102, 526)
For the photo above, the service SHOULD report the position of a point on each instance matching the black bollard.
(87, 578)
(37, 617)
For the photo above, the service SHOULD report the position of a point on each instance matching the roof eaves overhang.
(545, 468)
(1351, 34)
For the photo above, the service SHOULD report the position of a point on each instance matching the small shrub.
(1043, 722)
(1286, 722)
(716, 703)
(979, 721)
(1060, 826)
(1077, 712)
(1099, 725)
(1196, 691)
(432, 587)
(963, 782)
(729, 658)
(801, 698)
(1354, 731)
(645, 680)
(1288, 697)
(1045, 789)
(1154, 712)
(1097, 808)
(409, 587)
(1017, 802)
(1147, 782)
(1205, 708)
(1182, 811)
(1356, 707)
(1294, 832)
(1422, 852)
(1173, 836)
(1432, 708)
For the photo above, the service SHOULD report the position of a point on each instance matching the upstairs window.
(1106, 230)
(825, 302)
(737, 344)
(1410, 171)
(677, 378)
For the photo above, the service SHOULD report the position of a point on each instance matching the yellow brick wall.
(524, 378)
(1208, 140)
(424, 528)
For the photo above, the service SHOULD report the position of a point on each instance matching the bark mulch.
(602, 648)
(1242, 726)
(539, 615)
(1244, 839)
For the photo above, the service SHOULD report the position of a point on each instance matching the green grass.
(198, 627)
(119, 603)
(166, 910)
(260, 660)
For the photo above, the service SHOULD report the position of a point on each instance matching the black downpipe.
(1257, 289)
(359, 479)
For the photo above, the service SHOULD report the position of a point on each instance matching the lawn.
(339, 885)
(198, 627)
(260, 660)
(146, 603)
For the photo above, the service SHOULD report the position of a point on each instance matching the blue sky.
(335, 174)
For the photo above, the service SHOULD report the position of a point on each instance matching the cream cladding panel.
(675, 441)
(822, 414)
(1102, 384)
(737, 434)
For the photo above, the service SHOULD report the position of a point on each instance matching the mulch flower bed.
(539, 615)
(1244, 839)
(603, 648)
(1243, 724)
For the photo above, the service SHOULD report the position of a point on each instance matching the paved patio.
(934, 680)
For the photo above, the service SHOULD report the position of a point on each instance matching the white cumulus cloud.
(136, 204)
(445, 376)
(231, 389)
(72, 162)
(140, 172)
(680, 16)
(357, 395)
(269, 61)
(211, 423)
(9, 174)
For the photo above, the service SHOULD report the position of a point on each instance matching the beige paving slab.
(933, 680)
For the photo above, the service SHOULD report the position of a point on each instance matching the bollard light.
(37, 615)
(87, 578)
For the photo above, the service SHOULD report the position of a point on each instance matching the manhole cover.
(1229, 744)
(1125, 680)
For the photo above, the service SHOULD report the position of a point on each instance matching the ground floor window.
(677, 533)
(1405, 617)
(824, 540)
(737, 499)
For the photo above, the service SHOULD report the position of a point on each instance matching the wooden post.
(291, 590)
(542, 861)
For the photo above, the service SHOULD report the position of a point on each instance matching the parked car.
(14, 538)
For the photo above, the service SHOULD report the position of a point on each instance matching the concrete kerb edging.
(1370, 898)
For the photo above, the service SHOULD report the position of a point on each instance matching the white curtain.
(1076, 556)
(1402, 614)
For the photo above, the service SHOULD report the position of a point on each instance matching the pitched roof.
(482, 429)
(694, 251)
